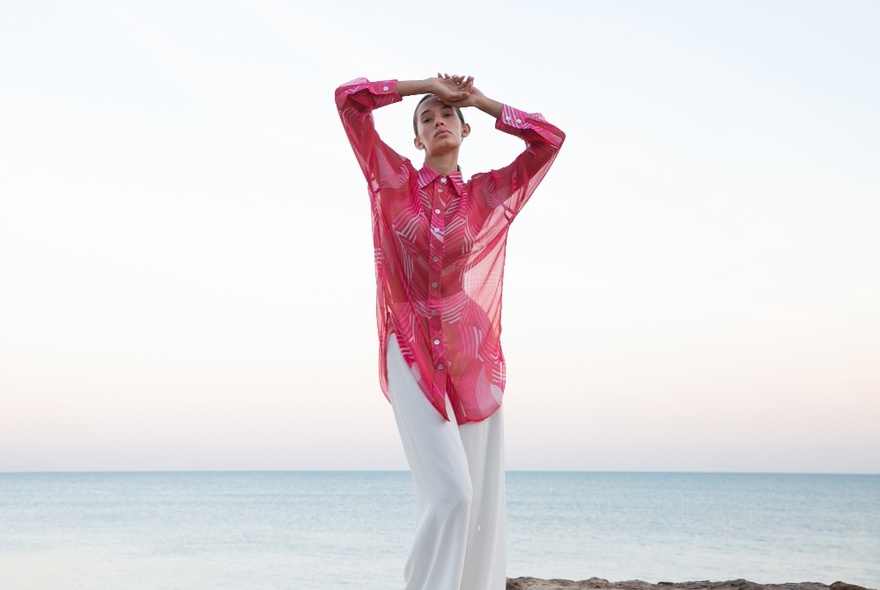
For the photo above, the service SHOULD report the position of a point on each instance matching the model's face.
(438, 127)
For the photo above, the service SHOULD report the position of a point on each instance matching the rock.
(600, 584)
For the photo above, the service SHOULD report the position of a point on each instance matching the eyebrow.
(422, 114)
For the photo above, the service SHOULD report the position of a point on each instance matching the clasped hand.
(456, 91)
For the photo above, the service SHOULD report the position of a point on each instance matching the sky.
(186, 270)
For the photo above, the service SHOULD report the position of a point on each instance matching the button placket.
(435, 276)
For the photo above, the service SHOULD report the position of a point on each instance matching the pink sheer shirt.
(439, 252)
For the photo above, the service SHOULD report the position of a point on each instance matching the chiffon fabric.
(440, 243)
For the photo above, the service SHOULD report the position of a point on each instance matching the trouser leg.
(486, 557)
(458, 476)
(441, 479)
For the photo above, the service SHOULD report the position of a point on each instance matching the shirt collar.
(427, 175)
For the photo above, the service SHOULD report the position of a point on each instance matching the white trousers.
(458, 476)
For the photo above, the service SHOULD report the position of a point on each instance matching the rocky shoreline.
(600, 584)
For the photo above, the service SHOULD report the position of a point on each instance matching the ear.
(418, 143)
(465, 130)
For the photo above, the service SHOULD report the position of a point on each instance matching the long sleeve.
(355, 102)
(510, 187)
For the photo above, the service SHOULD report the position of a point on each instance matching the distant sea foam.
(351, 530)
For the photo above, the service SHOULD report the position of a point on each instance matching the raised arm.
(473, 98)
(356, 101)
(511, 186)
(446, 88)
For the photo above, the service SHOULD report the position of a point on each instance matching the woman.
(440, 244)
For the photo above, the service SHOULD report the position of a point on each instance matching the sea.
(352, 530)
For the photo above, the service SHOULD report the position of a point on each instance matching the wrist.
(488, 105)
(410, 87)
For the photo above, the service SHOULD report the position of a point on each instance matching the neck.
(444, 164)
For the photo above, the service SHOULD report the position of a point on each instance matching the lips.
(442, 131)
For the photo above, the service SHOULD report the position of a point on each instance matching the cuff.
(511, 117)
(384, 87)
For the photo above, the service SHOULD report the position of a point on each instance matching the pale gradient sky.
(186, 276)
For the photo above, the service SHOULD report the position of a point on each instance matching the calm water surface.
(347, 530)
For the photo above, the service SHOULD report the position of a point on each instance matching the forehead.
(430, 105)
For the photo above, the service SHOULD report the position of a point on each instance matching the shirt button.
(437, 211)
(436, 259)
(507, 118)
(433, 312)
(440, 367)
(436, 230)
(385, 88)
(439, 190)
(443, 179)
(436, 342)
(434, 284)
(519, 120)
